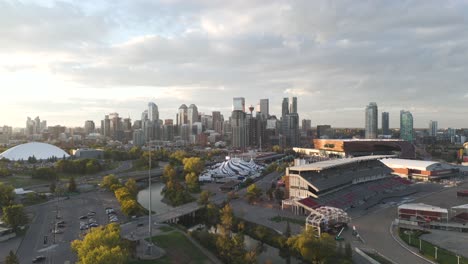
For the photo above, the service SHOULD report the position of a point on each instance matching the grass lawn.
(19, 181)
(278, 219)
(165, 228)
(179, 249)
(428, 250)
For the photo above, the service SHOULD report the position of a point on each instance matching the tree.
(72, 185)
(204, 198)
(279, 194)
(92, 166)
(108, 181)
(132, 187)
(253, 193)
(211, 215)
(52, 187)
(177, 157)
(130, 207)
(11, 258)
(7, 195)
(270, 193)
(14, 216)
(191, 180)
(194, 164)
(102, 245)
(277, 149)
(122, 194)
(169, 173)
(311, 248)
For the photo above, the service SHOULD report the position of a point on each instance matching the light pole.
(435, 253)
(420, 248)
(458, 259)
(150, 229)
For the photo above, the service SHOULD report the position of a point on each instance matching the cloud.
(336, 56)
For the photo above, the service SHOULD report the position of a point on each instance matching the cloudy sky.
(70, 61)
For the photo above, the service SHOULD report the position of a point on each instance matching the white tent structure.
(40, 151)
(232, 168)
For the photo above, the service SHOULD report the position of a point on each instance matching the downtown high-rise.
(385, 123)
(372, 119)
(406, 125)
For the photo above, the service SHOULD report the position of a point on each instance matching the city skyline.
(127, 54)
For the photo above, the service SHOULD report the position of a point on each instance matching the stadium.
(362, 147)
(341, 183)
(40, 151)
(232, 169)
(420, 169)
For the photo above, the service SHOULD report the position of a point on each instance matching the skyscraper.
(182, 115)
(192, 115)
(285, 107)
(89, 127)
(385, 123)
(238, 104)
(406, 125)
(306, 125)
(371, 120)
(433, 127)
(153, 113)
(292, 105)
(265, 108)
(218, 122)
(238, 123)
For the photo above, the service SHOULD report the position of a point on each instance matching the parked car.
(93, 225)
(83, 217)
(91, 213)
(61, 222)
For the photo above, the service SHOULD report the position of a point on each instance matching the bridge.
(173, 215)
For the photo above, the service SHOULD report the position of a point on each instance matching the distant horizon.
(74, 61)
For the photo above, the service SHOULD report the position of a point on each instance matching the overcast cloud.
(76, 60)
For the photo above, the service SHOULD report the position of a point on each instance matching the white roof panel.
(40, 151)
(423, 207)
(322, 165)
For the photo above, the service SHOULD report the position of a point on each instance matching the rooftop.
(322, 165)
(423, 207)
(413, 164)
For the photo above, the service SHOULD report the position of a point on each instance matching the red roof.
(463, 217)
(309, 202)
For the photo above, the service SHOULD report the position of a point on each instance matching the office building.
(238, 104)
(285, 107)
(385, 123)
(306, 125)
(153, 112)
(138, 137)
(406, 125)
(324, 132)
(218, 121)
(371, 120)
(292, 105)
(89, 127)
(192, 115)
(182, 118)
(264, 108)
(433, 127)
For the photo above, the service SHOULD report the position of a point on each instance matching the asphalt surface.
(374, 227)
(69, 210)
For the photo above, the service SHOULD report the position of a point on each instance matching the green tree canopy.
(253, 193)
(109, 180)
(193, 164)
(204, 198)
(311, 248)
(7, 194)
(72, 185)
(132, 187)
(101, 245)
(191, 180)
(11, 258)
(14, 216)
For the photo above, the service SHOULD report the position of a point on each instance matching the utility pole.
(150, 229)
(435, 253)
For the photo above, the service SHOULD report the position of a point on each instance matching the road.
(70, 211)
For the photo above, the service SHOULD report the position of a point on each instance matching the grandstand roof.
(415, 164)
(323, 165)
(423, 207)
(463, 206)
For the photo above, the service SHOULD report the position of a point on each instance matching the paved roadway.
(374, 227)
(70, 211)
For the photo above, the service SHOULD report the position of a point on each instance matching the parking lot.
(39, 240)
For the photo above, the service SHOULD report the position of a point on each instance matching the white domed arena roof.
(40, 151)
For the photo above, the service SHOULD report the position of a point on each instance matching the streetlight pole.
(458, 259)
(420, 248)
(150, 229)
(435, 253)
